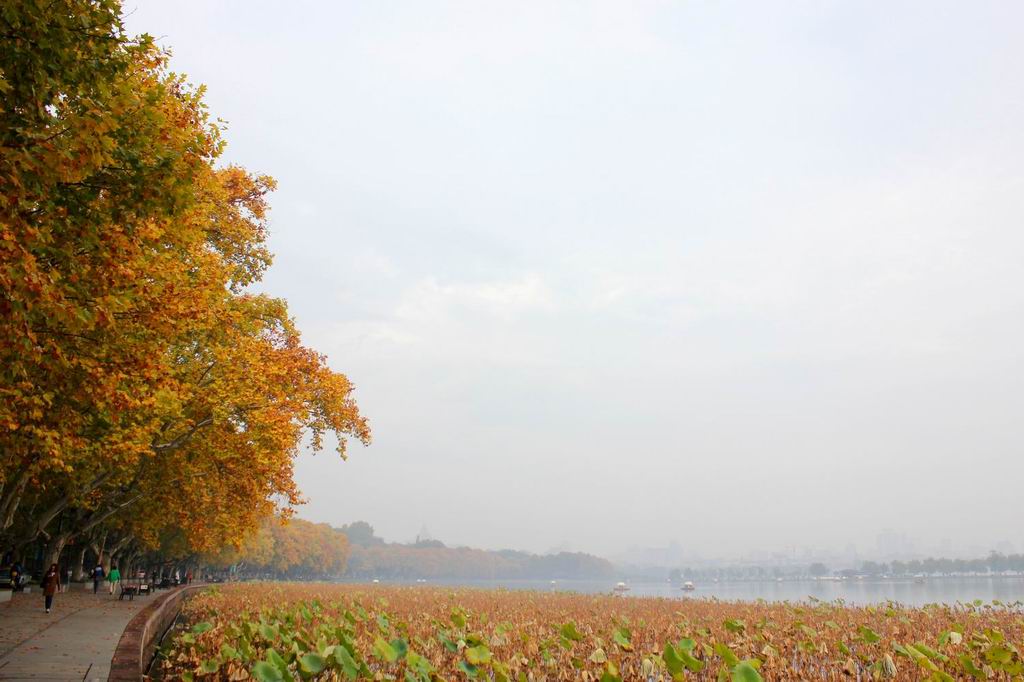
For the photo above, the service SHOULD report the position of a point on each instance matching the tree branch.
(183, 438)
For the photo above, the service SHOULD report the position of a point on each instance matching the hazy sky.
(741, 275)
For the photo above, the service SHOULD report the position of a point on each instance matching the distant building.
(892, 544)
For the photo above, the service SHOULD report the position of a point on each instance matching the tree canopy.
(360, 533)
(143, 386)
(291, 548)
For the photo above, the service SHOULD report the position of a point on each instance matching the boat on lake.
(621, 587)
(688, 586)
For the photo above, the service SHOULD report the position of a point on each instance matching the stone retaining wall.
(139, 641)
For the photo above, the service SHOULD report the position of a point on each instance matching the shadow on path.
(74, 642)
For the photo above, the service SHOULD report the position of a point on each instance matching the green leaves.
(447, 641)
(868, 635)
(384, 651)
(919, 654)
(735, 625)
(735, 669)
(418, 667)
(312, 664)
(390, 652)
(265, 671)
(726, 654)
(278, 661)
(209, 667)
(478, 655)
(569, 631)
(622, 637)
(746, 672)
(677, 658)
(971, 669)
(930, 653)
(345, 661)
(610, 673)
(400, 647)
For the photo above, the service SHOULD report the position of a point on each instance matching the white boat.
(688, 586)
(621, 587)
(375, 581)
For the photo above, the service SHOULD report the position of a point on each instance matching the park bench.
(130, 591)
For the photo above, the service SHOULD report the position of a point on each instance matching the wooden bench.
(130, 591)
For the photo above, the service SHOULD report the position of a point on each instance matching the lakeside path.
(74, 642)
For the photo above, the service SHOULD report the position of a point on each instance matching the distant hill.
(417, 561)
(370, 557)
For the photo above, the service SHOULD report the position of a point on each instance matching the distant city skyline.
(889, 545)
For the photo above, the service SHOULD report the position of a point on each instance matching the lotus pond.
(289, 631)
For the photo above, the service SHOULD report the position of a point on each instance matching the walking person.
(113, 578)
(97, 576)
(51, 583)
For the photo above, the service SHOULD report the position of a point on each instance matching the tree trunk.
(78, 564)
(53, 550)
(129, 563)
(11, 498)
(97, 547)
(117, 553)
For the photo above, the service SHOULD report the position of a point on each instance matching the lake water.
(932, 590)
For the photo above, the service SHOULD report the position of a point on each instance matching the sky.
(742, 276)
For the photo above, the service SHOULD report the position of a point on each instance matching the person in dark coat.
(51, 583)
(97, 577)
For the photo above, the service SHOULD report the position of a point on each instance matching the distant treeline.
(993, 563)
(370, 557)
(300, 550)
(295, 550)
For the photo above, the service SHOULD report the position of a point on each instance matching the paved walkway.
(73, 642)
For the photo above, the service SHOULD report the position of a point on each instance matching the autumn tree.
(287, 548)
(360, 533)
(138, 377)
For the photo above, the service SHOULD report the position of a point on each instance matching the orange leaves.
(124, 257)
